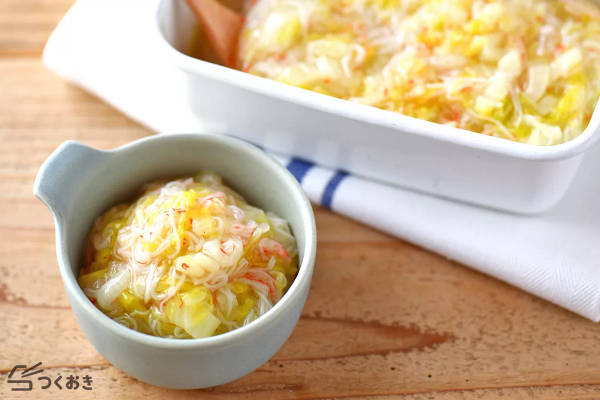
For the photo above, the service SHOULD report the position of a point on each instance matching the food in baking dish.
(523, 70)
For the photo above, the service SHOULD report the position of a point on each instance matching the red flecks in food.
(250, 277)
(247, 68)
(185, 266)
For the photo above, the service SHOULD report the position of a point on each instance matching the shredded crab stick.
(189, 259)
(523, 70)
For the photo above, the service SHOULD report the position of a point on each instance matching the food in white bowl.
(190, 258)
(78, 183)
(527, 71)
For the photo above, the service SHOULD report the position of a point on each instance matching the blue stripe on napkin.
(331, 187)
(299, 168)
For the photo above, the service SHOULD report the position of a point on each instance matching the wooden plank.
(109, 383)
(409, 320)
(26, 25)
(315, 339)
(413, 324)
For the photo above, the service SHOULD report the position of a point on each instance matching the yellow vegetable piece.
(88, 280)
(130, 303)
(104, 256)
(194, 311)
(290, 32)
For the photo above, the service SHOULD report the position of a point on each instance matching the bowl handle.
(62, 172)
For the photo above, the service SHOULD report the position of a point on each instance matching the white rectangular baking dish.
(367, 141)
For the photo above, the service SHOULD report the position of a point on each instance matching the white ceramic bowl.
(78, 183)
(367, 141)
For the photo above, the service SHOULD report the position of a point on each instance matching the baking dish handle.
(62, 173)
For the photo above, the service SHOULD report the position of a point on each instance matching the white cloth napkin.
(106, 47)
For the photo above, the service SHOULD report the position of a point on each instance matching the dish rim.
(375, 116)
(239, 146)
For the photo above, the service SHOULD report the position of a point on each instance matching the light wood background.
(384, 319)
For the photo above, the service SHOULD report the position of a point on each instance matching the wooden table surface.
(383, 318)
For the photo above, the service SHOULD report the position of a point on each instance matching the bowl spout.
(62, 173)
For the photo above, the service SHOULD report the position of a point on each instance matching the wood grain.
(26, 25)
(384, 319)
